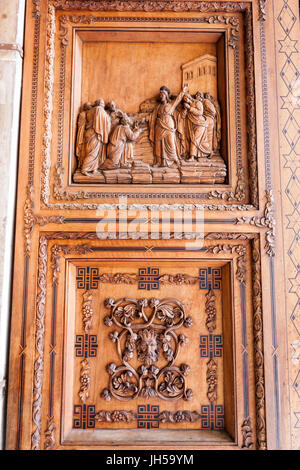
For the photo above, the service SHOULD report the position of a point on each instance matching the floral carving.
(84, 391)
(266, 221)
(147, 333)
(87, 311)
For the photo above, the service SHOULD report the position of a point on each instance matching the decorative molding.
(266, 221)
(50, 435)
(258, 329)
(149, 5)
(240, 250)
(31, 219)
(258, 347)
(247, 434)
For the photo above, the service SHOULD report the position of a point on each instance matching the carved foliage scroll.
(147, 330)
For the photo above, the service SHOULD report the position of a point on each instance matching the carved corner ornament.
(267, 221)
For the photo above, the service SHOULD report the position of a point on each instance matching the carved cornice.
(39, 344)
(149, 5)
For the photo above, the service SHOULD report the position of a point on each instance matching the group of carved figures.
(184, 128)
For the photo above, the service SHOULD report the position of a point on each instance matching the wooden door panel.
(143, 349)
(139, 332)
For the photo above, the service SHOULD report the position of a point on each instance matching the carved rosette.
(147, 332)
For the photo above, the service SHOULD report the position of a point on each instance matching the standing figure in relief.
(79, 150)
(197, 127)
(162, 129)
(217, 127)
(96, 137)
(210, 114)
(119, 149)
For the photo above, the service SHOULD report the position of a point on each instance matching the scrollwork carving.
(147, 332)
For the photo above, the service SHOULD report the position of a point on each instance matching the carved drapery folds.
(147, 331)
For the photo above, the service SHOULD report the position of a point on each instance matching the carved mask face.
(147, 347)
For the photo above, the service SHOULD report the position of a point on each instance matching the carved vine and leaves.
(147, 331)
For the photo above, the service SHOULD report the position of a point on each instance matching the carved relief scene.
(155, 118)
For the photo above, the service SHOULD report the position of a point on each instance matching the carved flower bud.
(108, 321)
(154, 302)
(106, 394)
(188, 322)
(114, 336)
(143, 370)
(111, 368)
(109, 303)
(182, 339)
(153, 370)
(143, 302)
(185, 369)
(189, 394)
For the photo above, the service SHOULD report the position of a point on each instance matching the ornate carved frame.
(219, 199)
(235, 245)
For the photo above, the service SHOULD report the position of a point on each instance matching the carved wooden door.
(144, 228)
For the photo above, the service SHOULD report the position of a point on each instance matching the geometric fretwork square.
(84, 416)
(148, 278)
(212, 416)
(87, 278)
(210, 278)
(148, 416)
(211, 346)
(86, 345)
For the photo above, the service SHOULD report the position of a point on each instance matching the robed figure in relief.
(197, 129)
(97, 131)
(119, 149)
(162, 129)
